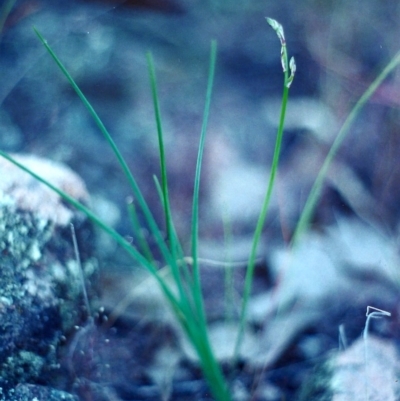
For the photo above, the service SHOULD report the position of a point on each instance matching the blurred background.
(340, 47)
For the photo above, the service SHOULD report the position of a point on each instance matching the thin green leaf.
(124, 166)
(195, 208)
(163, 166)
(179, 265)
(316, 189)
(210, 367)
(119, 239)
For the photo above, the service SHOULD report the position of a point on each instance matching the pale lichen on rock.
(40, 288)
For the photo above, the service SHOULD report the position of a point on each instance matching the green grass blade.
(124, 166)
(163, 166)
(110, 231)
(210, 366)
(179, 254)
(196, 191)
(179, 265)
(316, 189)
(174, 240)
(163, 188)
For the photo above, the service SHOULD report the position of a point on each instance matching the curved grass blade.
(124, 166)
(118, 238)
(316, 189)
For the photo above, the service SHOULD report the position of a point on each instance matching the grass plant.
(185, 295)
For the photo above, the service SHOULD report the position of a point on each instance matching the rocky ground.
(305, 303)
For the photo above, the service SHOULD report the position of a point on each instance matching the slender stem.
(274, 168)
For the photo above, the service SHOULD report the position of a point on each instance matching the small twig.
(372, 313)
(342, 338)
(82, 277)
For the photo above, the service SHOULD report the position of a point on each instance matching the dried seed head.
(292, 67)
(277, 27)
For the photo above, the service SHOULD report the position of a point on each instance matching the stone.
(40, 282)
(367, 370)
(31, 392)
